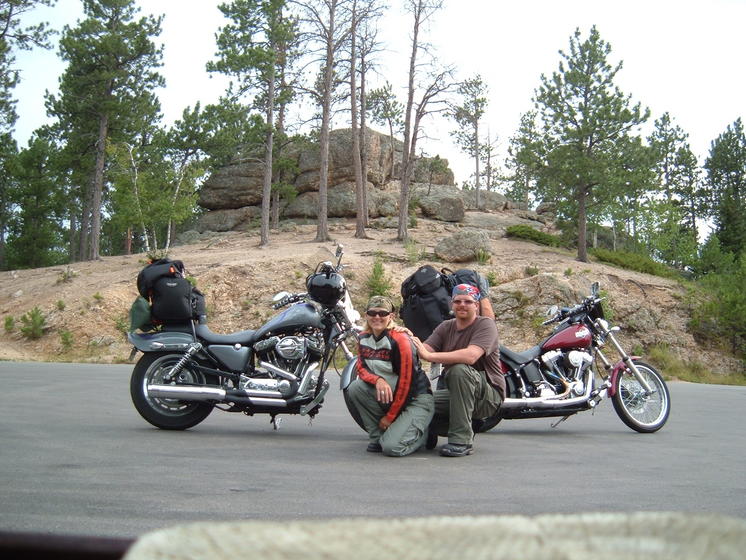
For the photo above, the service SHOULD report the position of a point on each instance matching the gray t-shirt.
(483, 333)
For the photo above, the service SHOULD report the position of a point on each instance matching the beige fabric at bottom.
(592, 536)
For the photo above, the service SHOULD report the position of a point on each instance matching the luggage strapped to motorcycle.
(171, 297)
(426, 297)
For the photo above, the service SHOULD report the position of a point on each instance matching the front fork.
(627, 362)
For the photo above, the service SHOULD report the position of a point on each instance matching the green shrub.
(98, 297)
(60, 305)
(66, 275)
(66, 339)
(33, 324)
(671, 366)
(634, 261)
(378, 282)
(414, 252)
(122, 323)
(530, 234)
(531, 270)
(492, 278)
(156, 254)
(483, 256)
(10, 324)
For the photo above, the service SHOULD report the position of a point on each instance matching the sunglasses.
(463, 302)
(371, 313)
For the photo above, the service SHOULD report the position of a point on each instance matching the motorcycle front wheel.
(642, 412)
(167, 414)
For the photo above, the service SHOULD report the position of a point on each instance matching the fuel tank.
(573, 336)
(295, 317)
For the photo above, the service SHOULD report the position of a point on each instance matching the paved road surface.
(76, 458)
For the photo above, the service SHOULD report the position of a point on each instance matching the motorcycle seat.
(521, 357)
(243, 338)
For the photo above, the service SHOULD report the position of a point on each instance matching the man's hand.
(384, 423)
(422, 351)
(399, 328)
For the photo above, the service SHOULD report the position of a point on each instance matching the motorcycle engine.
(289, 352)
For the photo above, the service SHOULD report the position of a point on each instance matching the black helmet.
(327, 288)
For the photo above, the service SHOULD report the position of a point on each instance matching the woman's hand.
(384, 394)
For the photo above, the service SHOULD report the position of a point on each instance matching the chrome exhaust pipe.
(552, 402)
(195, 393)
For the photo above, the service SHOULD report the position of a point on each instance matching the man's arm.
(468, 355)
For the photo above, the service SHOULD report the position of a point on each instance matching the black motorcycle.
(278, 368)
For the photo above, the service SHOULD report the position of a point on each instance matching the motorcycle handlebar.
(288, 300)
(565, 312)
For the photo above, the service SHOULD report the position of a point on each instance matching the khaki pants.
(468, 395)
(406, 434)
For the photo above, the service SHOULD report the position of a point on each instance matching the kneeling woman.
(391, 394)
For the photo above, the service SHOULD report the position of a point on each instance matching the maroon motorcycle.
(569, 373)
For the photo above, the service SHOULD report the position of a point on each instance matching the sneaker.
(432, 439)
(456, 450)
(374, 447)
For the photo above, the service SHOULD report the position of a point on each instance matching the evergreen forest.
(106, 175)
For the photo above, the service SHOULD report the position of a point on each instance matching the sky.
(682, 57)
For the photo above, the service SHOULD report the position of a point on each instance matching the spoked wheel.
(640, 411)
(168, 414)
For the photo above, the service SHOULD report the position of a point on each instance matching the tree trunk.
(322, 230)
(85, 225)
(582, 233)
(476, 162)
(364, 142)
(356, 163)
(268, 146)
(408, 134)
(98, 187)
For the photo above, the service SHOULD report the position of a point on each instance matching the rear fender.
(348, 374)
(160, 341)
(619, 367)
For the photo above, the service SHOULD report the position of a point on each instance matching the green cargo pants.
(468, 395)
(406, 434)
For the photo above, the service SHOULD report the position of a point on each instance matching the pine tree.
(36, 236)
(256, 49)
(467, 116)
(586, 119)
(726, 177)
(106, 93)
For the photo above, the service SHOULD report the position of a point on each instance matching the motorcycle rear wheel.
(167, 414)
(643, 413)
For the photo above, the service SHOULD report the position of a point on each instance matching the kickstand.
(558, 422)
(276, 422)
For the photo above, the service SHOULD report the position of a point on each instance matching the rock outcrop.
(233, 193)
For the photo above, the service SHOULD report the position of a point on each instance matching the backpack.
(426, 297)
(172, 298)
(426, 300)
(462, 276)
(160, 268)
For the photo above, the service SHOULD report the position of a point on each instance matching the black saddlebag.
(172, 300)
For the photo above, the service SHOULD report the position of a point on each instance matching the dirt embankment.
(86, 305)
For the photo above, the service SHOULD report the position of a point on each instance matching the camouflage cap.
(381, 302)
